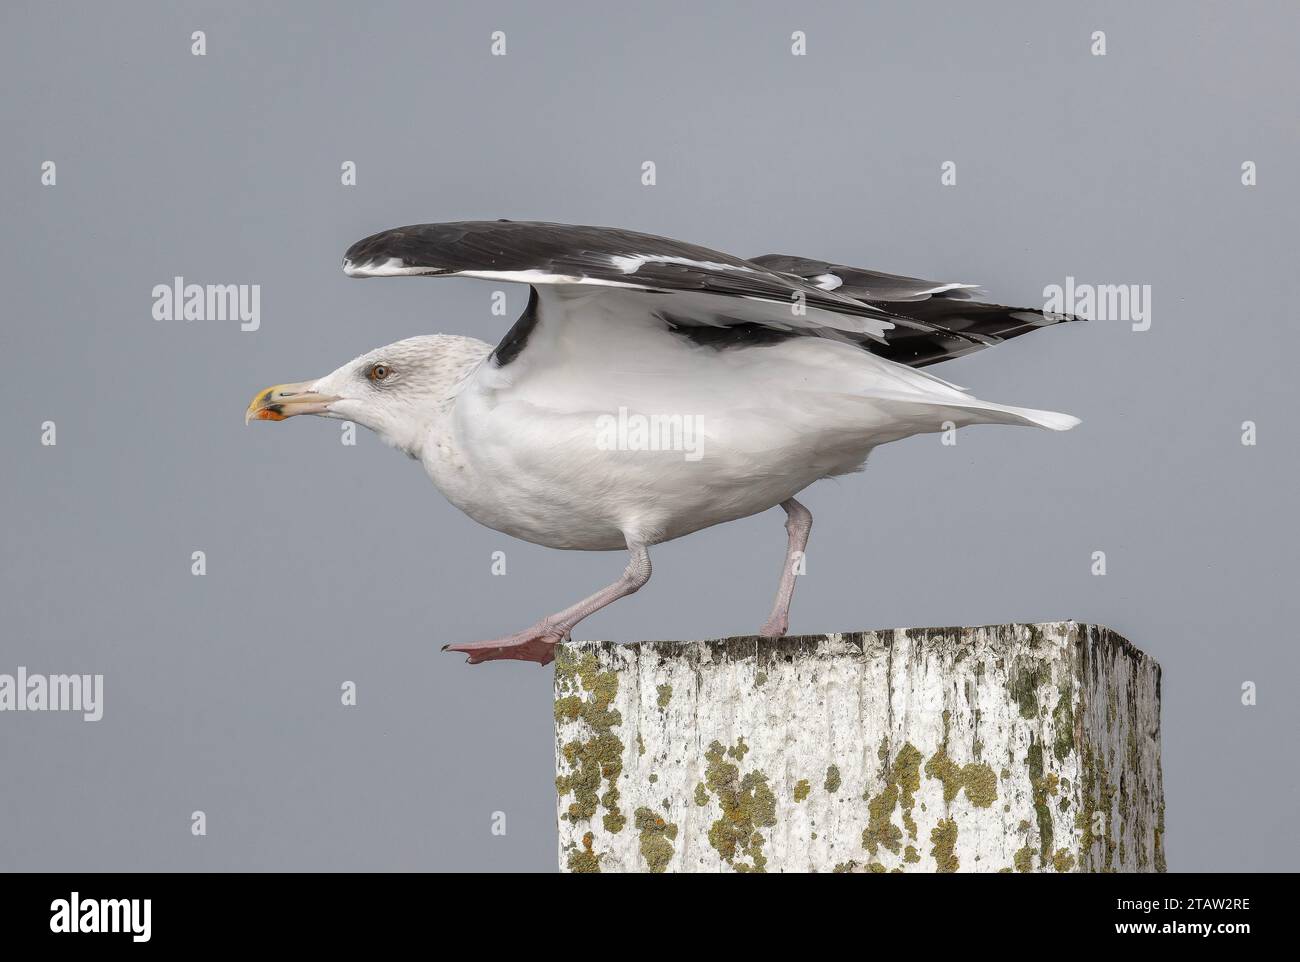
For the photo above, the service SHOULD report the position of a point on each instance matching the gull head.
(395, 391)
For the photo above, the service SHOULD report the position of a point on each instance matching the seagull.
(652, 388)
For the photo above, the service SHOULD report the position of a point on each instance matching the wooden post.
(1029, 748)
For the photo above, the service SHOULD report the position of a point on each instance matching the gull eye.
(378, 372)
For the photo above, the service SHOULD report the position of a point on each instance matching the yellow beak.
(285, 400)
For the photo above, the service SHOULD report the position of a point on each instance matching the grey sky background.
(329, 563)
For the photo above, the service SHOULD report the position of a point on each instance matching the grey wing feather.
(712, 298)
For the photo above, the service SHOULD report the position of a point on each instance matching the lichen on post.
(1009, 748)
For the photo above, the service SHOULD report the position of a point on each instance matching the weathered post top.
(994, 749)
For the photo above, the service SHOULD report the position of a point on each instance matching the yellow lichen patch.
(657, 836)
(981, 785)
(902, 781)
(613, 819)
(977, 779)
(1063, 861)
(880, 828)
(584, 859)
(1024, 859)
(907, 773)
(943, 838)
(801, 790)
(586, 695)
(665, 695)
(567, 708)
(747, 804)
(832, 783)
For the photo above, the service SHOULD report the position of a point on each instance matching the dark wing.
(705, 287)
(711, 298)
(562, 254)
(952, 323)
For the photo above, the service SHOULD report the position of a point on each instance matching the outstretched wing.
(712, 298)
(711, 288)
(951, 323)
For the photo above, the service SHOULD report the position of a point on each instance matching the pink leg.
(538, 642)
(798, 524)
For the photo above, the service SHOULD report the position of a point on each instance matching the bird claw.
(533, 644)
